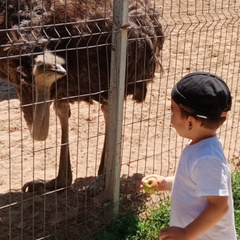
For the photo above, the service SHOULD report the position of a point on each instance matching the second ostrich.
(80, 32)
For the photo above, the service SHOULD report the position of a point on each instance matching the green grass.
(236, 198)
(129, 226)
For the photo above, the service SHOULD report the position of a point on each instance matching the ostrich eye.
(39, 12)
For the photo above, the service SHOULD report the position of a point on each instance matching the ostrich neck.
(40, 125)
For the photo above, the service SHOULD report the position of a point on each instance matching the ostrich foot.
(40, 185)
(96, 187)
(33, 186)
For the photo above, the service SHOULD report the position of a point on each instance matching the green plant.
(125, 225)
(157, 219)
(236, 198)
(129, 226)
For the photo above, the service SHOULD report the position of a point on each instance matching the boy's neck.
(196, 132)
(202, 135)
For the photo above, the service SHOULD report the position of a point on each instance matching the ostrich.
(46, 71)
(78, 31)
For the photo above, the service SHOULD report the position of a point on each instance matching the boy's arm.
(168, 183)
(216, 209)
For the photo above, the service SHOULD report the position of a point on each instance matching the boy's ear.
(191, 122)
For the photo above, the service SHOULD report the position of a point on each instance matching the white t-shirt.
(202, 171)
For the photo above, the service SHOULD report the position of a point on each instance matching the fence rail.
(186, 36)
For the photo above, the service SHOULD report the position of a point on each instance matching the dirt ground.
(33, 216)
(195, 40)
(22, 160)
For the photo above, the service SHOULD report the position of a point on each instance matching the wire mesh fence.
(198, 36)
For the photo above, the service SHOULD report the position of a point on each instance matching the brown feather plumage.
(80, 33)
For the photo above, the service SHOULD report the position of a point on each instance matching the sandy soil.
(23, 159)
(194, 41)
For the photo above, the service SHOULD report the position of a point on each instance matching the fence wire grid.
(198, 36)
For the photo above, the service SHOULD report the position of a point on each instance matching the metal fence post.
(115, 106)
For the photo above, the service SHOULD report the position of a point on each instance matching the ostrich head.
(48, 68)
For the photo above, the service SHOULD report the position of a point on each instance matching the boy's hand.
(164, 183)
(173, 233)
(160, 180)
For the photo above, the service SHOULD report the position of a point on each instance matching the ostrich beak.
(59, 69)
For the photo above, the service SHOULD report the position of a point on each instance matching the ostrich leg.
(64, 177)
(104, 109)
(96, 187)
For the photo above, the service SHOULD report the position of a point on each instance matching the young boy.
(201, 199)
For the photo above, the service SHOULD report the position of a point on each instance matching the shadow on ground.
(66, 214)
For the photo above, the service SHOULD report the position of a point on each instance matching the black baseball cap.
(203, 94)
